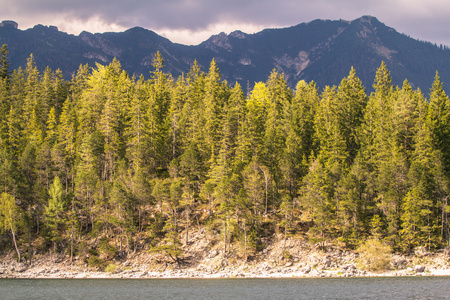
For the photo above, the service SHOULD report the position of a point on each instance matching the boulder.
(145, 273)
(213, 254)
(419, 269)
(399, 263)
(306, 269)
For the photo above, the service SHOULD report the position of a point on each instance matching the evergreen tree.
(274, 139)
(438, 119)
(5, 73)
(54, 211)
(299, 131)
(157, 119)
(215, 97)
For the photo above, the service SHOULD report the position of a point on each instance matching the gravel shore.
(281, 259)
(12, 269)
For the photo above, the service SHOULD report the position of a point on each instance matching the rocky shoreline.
(291, 258)
(128, 269)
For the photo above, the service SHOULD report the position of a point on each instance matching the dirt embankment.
(205, 259)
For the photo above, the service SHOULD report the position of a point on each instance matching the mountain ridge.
(319, 50)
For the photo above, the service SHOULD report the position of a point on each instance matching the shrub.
(374, 255)
(81, 249)
(287, 255)
(96, 262)
(106, 250)
(111, 268)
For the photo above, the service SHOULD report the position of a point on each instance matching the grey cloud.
(192, 14)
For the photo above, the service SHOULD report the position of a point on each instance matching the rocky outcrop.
(9, 24)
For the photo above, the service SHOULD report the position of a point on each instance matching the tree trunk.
(187, 225)
(444, 224)
(224, 237)
(71, 237)
(71, 247)
(245, 242)
(120, 246)
(30, 254)
(15, 243)
(266, 181)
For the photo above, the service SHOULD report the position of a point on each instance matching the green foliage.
(106, 250)
(4, 62)
(374, 255)
(111, 268)
(10, 218)
(109, 155)
(96, 262)
(287, 255)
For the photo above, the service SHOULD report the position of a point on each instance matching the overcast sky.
(193, 21)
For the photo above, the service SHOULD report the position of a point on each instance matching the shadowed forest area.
(138, 164)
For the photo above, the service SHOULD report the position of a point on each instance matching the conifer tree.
(256, 118)
(351, 101)
(299, 131)
(438, 119)
(274, 139)
(157, 117)
(5, 73)
(215, 97)
(54, 211)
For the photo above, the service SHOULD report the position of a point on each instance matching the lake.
(301, 288)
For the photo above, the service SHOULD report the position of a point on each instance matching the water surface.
(301, 288)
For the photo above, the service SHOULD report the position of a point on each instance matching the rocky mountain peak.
(218, 41)
(238, 34)
(9, 24)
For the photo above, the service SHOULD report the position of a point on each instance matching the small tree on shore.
(374, 255)
(10, 218)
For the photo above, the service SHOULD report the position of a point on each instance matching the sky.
(190, 22)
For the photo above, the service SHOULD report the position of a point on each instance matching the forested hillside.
(138, 164)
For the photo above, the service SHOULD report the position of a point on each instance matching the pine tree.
(256, 118)
(5, 105)
(298, 128)
(157, 118)
(31, 97)
(215, 97)
(191, 118)
(274, 139)
(65, 149)
(54, 211)
(5, 73)
(438, 119)
(351, 101)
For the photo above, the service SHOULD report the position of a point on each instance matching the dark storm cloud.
(175, 14)
(426, 20)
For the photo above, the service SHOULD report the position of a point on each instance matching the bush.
(287, 255)
(111, 268)
(374, 255)
(96, 262)
(106, 250)
(81, 249)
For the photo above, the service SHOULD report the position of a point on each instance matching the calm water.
(304, 288)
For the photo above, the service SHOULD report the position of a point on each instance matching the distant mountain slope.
(320, 50)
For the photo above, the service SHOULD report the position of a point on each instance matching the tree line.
(140, 163)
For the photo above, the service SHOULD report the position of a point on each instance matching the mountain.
(321, 50)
